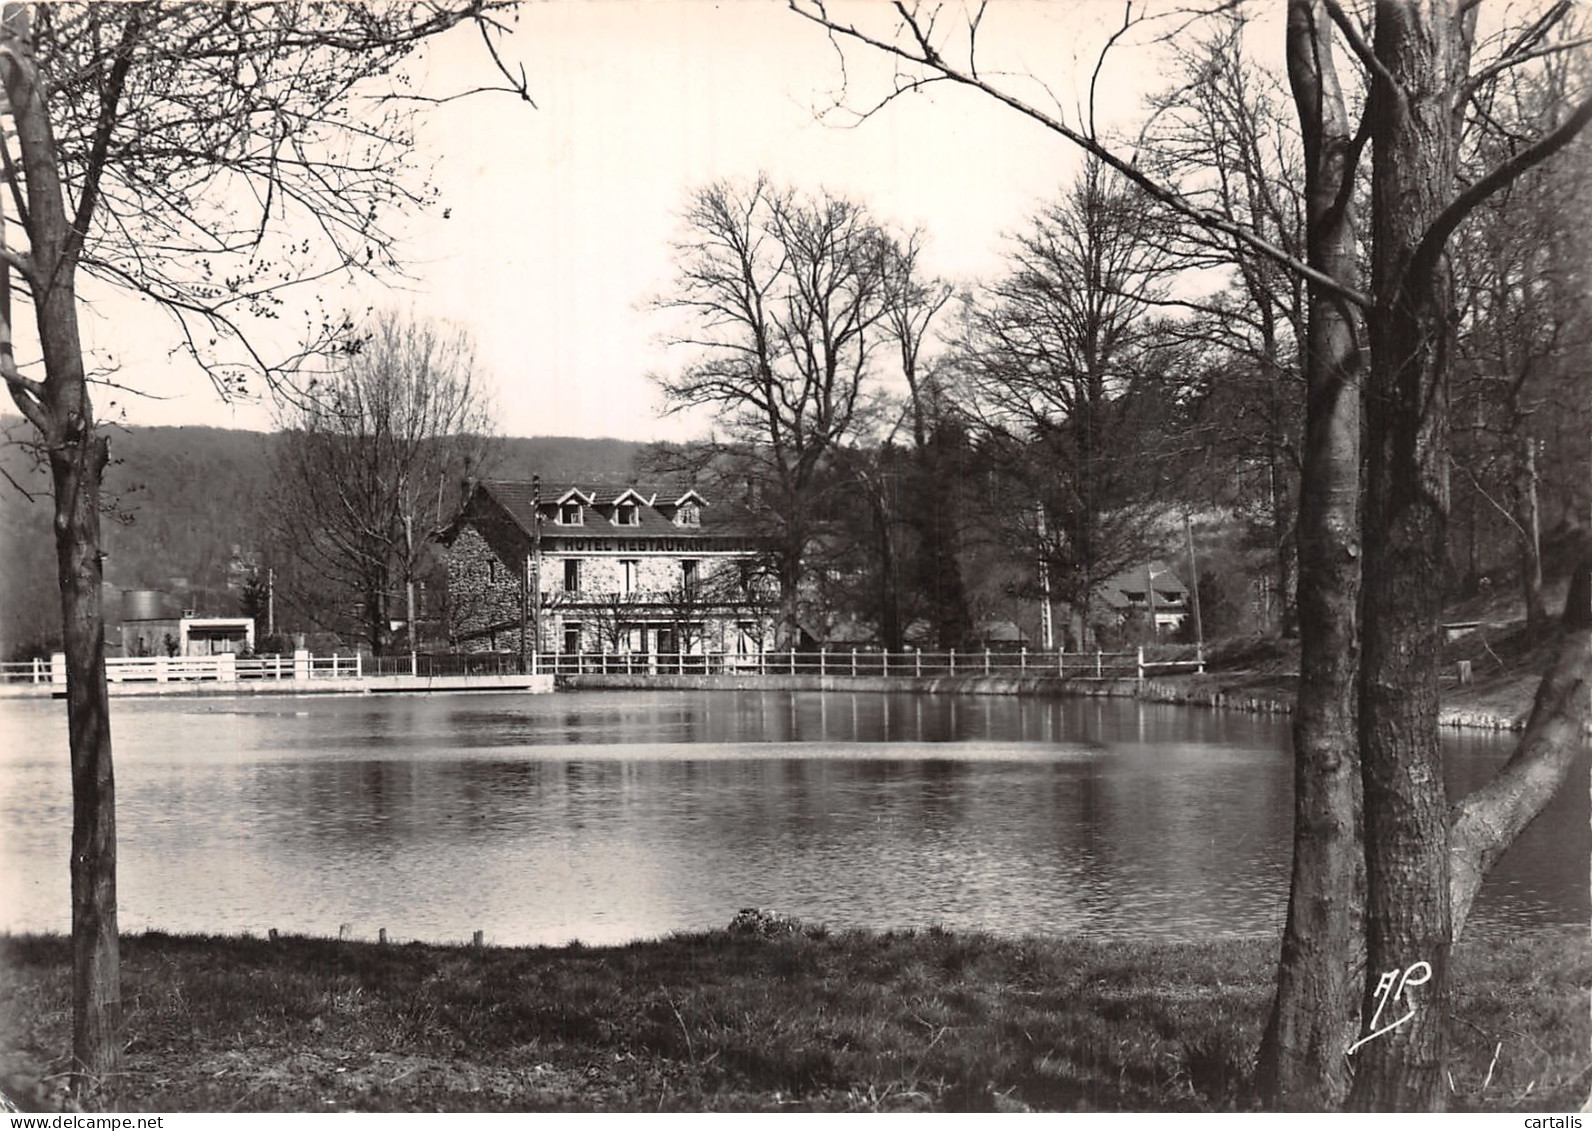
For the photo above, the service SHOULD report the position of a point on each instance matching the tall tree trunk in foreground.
(76, 466)
(1315, 1013)
(61, 410)
(1423, 50)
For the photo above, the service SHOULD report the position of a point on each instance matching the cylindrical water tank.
(142, 604)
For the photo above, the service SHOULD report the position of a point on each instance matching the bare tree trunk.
(1530, 527)
(62, 411)
(790, 577)
(1314, 1015)
(1284, 539)
(889, 573)
(1424, 50)
(76, 466)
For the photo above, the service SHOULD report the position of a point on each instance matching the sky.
(560, 219)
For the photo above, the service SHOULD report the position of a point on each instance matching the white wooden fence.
(1141, 663)
(221, 668)
(227, 668)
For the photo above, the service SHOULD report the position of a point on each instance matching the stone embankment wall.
(1197, 691)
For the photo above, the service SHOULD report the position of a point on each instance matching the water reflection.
(607, 817)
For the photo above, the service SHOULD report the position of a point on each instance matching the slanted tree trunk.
(1315, 1012)
(1424, 49)
(1485, 823)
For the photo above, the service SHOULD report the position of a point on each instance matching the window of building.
(627, 514)
(572, 575)
(690, 574)
(571, 637)
(569, 514)
(627, 570)
(689, 514)
(491, 571)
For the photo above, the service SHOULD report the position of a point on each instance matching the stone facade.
(483, 593)
(660, 577)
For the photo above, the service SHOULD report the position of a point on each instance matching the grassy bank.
(1506, 664)
(817, 1021)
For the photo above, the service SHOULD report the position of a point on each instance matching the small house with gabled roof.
(1151, 590)
(604, 568)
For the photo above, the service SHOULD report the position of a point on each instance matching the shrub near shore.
(807, 1020)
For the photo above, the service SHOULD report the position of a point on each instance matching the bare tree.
(1422, 71)
(1223, 133)
(362, 458)
(785, 296)
(1523, 325)
(1065, 363)
(167, 150)
(913, 306)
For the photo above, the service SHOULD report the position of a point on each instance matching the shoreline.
(1249, 691)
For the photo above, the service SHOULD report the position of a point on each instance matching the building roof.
(992, 630)
(657, 506)
(1129, 588)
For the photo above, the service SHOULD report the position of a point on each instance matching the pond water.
(613, 816)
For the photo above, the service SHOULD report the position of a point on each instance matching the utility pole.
(409, 585)
(1149, 593)
(270, 600)
(1194, 585)
(536, 571)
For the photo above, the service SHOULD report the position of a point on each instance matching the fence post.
(917, 661)
(58, 668)
(162, 669)
(1199, 656)
(226, 668)
(1141, 663)
(359, 665)
(853, 661)
(822, 650)
(986, 661)
(793, 660)
(1022, 663)
(414, 667)
(884, 662)
(953, 661)
(1098, 669)
(1061, 664)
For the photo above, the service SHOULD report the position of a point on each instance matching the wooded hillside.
(185, 505)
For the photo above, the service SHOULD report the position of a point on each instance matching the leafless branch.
(926, 55)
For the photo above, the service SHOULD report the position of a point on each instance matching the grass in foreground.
(817, 1021)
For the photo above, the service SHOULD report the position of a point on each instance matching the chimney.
(470, 482)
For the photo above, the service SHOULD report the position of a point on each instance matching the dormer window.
(627, 514)
(569, 514)
(689, 514)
